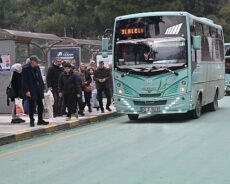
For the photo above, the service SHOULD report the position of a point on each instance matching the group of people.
(27, 83)
(73, 88)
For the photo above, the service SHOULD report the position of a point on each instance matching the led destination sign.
(131, 31)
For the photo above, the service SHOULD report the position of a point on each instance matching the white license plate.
(150, 109)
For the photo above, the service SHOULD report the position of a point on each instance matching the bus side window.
(220, 34)
(227, 52)
(199, 31)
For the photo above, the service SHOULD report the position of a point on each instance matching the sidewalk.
(16, 132)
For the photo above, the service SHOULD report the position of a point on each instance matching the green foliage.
(89, 18)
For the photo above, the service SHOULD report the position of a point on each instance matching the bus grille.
(148, 103)
(150, 95)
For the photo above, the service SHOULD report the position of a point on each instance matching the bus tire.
(133, 116)
(214, 105)
(227, 93)
(196, 113)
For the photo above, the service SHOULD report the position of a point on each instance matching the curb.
(23, 135)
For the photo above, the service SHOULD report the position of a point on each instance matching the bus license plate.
(150, 109)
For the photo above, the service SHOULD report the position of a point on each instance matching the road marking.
(20, 150)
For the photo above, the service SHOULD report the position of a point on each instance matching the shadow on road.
(163, 118)
(174, 118)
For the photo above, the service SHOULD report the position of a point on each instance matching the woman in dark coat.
(86, 80)
(16, 84)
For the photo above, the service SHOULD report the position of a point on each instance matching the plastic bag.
(48, 102)
(19, 106)
(50, 96)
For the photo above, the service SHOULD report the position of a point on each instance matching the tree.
(87, 18)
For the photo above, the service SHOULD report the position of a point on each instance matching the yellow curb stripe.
(23, 135)
(51, 128)
(73, 124)
(93, 119)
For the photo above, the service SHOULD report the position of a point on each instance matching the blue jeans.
(94, 101)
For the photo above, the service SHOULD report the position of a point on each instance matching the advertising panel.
(68, 54)
(5, 63)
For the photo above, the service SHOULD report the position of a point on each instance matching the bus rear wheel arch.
(213, 106)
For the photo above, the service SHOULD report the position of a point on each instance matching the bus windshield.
(151, 40)
(155, 51)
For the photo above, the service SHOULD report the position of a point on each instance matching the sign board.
(5, 63)
(107, 60)
(68, 54)
(4, 82)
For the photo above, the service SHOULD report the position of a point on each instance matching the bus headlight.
(182, 89)
(120, 92)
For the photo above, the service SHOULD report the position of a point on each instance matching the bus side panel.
(206, 79)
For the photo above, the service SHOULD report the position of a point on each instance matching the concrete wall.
(6, 47)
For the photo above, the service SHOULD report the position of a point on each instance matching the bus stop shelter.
(16, 47)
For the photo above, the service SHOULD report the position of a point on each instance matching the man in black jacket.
(33, 89)
(69, 88)
(52, 77)
(102, 76)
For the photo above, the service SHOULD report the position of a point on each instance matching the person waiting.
(102, 76)
(69, 88)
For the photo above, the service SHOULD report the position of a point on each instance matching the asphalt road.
(170, 149)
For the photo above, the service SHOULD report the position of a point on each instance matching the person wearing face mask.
(33, 89)
(69, 88)
(52, 77)
(16, 84)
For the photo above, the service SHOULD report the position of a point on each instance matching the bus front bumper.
(166, 105)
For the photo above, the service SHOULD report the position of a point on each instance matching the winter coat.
(53, 75)
(85, 78)
(69, 83)
(102, 73)
(16, 84)
(32, 81)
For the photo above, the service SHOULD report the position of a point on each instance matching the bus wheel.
(214, 105)
(133, 116)
(227, 93)
(196, 113)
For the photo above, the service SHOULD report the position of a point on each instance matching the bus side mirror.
(105, 47)
(196, 42)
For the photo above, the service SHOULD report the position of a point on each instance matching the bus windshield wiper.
(142, 69)
(128, 70)
(164, 68)
(171, 71)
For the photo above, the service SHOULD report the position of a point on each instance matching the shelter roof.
(73, 41)
(40, 39)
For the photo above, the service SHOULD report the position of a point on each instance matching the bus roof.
(170, 13)
(226, 44)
